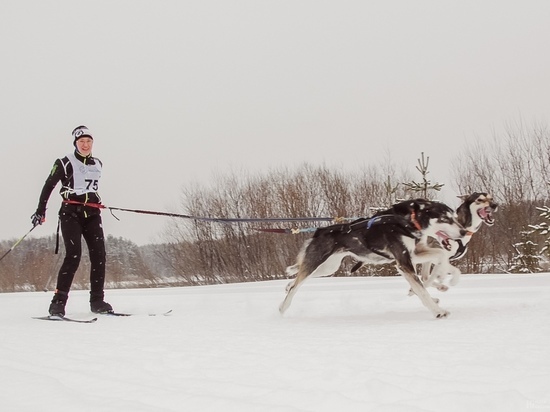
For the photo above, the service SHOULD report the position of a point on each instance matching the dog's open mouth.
(443, 238)
(486, 214)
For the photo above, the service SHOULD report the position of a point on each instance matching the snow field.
(349, 344)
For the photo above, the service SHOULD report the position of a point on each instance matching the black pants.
(75, 225)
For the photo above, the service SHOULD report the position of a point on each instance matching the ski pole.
(16, 243)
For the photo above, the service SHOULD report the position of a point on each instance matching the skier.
(79, 173)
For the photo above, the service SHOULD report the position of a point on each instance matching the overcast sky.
(177, 91)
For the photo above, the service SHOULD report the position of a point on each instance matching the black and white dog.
(475, 209)
(397, 235)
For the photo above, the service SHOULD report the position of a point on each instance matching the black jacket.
(62, 171)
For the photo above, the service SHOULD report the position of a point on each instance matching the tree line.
(514, 167)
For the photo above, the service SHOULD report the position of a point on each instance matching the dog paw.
(443, 314)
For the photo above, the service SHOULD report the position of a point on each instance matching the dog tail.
(293, 270)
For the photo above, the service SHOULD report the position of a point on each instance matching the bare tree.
(213, 252)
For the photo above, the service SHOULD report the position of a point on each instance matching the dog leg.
(292, 270)
(311, 268)
(289, 285)
(441, 273)
(427, 280)
(455, 278)
(411, 293)
(292, 288)
(426, 269)
(430, 259)
(419, 290)
(441, 268)
(425, 297)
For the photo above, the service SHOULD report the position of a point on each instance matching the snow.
(345, 344)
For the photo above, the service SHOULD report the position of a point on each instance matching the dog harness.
(414, 221)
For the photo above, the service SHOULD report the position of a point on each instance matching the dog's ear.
(404, 208)
(425, 206)
(463, 197)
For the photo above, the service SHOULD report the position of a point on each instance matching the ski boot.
(57, 307)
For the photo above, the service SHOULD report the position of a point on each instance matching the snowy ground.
(346, 344)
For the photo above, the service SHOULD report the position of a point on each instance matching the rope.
(210, 219)
(291, 231)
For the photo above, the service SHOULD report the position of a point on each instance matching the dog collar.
(414, 221)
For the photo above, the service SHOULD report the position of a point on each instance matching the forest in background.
(514, 168)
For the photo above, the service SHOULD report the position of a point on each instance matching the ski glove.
(37, 219)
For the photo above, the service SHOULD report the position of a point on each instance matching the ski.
(161, 314)
(131, 314)
(114, 314)
(64, 319)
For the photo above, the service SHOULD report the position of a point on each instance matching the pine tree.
(425, 185)
(527, 259)
(543, 229)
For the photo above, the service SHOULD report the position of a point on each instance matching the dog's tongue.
(486, 214)
(444, 239)
(442, 235)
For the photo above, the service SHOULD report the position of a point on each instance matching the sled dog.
(397, 235)
(475, 209)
